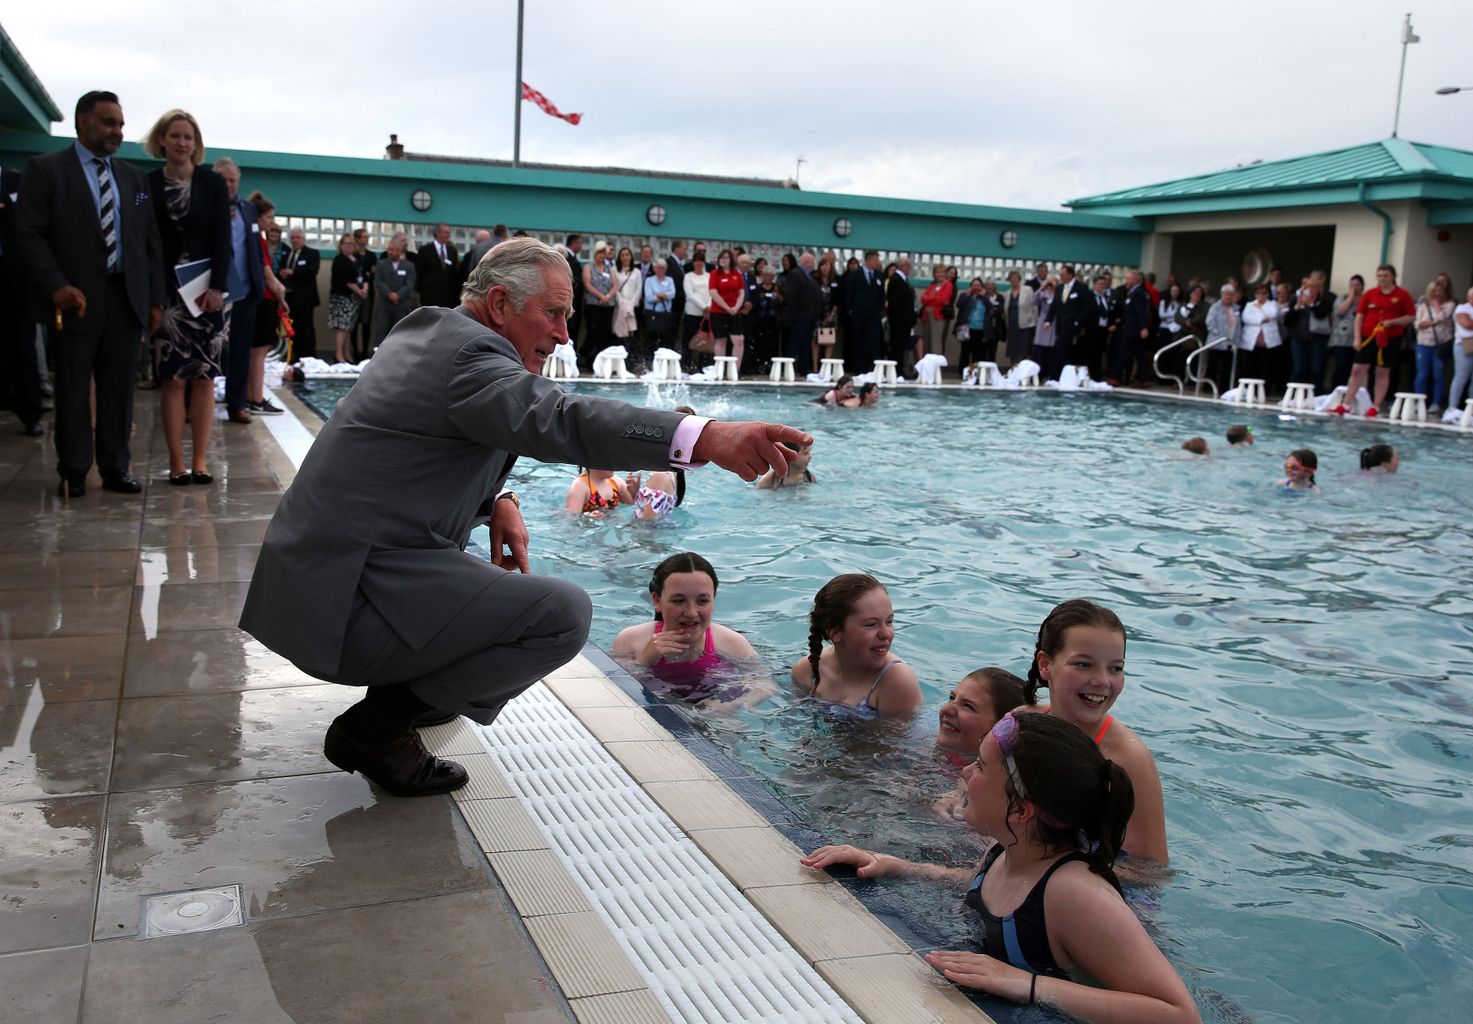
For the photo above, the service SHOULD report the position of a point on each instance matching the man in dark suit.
(1068, 314)
(368, 585)
(299, 273)
(247, 281)
(802, 306)
(87, 234)
(439, 270)
(1135, 330)
(575, 268)
(864, 301)
(20, 378)
(1102, 324)
(900, 310)
(675, 270)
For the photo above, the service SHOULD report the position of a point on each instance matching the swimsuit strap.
(872, 686)
(710, 642)
(1104, 728)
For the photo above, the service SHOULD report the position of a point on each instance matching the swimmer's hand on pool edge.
(748, 449)
(868, 864)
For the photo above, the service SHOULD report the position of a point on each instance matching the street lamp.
(1448, 90)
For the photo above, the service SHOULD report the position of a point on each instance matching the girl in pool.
(853, 613)
(657, 497)
(1381, 458)
(1046, 894)
(973, 708)
(1080, 657)
(868, 395)
(682, 646)
(798, 471)
(597, 492)
(1299, 470)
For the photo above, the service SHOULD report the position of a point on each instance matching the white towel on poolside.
(568, 355)
(610, 362)
(928, 370)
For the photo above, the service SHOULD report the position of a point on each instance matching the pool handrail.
(1181, 385)
(1200, 377)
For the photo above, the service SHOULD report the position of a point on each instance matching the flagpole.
(516, 146)
(1406, 39)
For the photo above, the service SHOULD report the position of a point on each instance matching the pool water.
(1298, 663)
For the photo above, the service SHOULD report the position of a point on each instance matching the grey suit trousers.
(521, 628)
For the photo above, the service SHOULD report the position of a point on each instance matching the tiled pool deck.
(149, 746)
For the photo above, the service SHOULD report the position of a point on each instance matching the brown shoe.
(239, 416)
(402, 766)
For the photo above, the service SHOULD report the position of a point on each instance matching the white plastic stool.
(1251, 392)
(885, 371)
(1467, 421)
(558, 369)
(667, 366)
(611, 368)
(782, 370)
(831, 369)
(1409, 407)
(1297, 397)
(1030, 381)
(726, 367)
(988, 375)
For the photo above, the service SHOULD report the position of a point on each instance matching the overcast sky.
(1016, 104)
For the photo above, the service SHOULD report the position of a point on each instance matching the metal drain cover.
(196, 910)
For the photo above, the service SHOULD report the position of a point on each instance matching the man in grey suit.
(395, 290)
(87, 235)
(362, 578)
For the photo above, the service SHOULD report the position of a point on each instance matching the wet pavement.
(149, 746)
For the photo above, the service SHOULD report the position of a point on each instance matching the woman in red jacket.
(935, 302)
(728, 295)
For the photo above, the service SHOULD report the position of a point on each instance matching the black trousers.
(598, 331)
(800, 346)
(304, 343)
(20, 375)
(238, 351)
(862, 346)
(105, 351)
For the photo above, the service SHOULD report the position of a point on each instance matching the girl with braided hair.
(853, 613)
(1080, 658)
(1056, 930)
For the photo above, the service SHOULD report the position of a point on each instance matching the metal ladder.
(1196, 375)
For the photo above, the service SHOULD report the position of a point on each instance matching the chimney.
(394, 151)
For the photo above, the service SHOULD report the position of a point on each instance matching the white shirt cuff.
(683, 444)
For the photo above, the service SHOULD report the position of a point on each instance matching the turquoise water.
(1299, 664)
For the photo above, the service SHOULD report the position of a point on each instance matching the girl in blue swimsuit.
(1055, 929)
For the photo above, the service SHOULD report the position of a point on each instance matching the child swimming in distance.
(1080, 657)
(1056, 930)
(868, 395)
(798, 471)
(1299, 470)
(1382, 458)
(683, 647)
(857, 670)
(658, 496)
(1240, 436)
(842, 390)
(1196, 445)
(597, 492)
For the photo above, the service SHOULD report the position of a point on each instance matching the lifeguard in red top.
(1380, 321)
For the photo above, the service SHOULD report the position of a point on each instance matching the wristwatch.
(510, 496)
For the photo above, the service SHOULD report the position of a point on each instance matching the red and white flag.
(529, 93)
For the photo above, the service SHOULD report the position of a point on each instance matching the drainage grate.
(706, 953)
(197, 910)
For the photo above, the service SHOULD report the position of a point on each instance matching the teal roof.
(24, 103)
(1394, 168)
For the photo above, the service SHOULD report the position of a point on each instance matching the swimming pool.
(1298, 664)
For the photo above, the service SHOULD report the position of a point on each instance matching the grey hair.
(520, 266)
(226, 164)
(1228, 289)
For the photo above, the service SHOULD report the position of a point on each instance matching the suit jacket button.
(629, 430)
(659, 432)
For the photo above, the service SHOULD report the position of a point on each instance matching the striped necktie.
(107, 212)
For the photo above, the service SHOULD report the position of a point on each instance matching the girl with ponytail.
(1080, 658)
(853, 613)
(1056, 930)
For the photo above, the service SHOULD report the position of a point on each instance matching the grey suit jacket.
(405, 285)
(391, 488)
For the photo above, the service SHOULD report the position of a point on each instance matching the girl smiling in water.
(853, 613)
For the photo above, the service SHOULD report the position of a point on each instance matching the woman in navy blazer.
(193, 212)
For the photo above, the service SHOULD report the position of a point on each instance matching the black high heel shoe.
(201, 478)
(180, 479)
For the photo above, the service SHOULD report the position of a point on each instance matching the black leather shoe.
(180, 479)
(433, 718)
(401, 767)
(201, 477)
(122, 483)
(72, 488)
